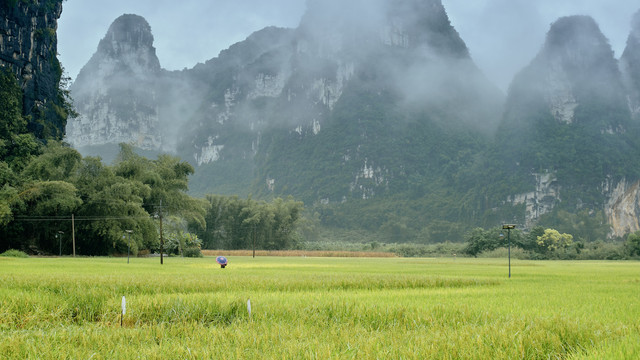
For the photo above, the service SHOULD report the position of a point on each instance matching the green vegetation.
(318, 308)
(14, 253)
(45, 186)
(48, 5)
(105, 200)
(414, 179)
(17, 144)
(541, 243)
(234, 223)
(47, 102)
(632, 244)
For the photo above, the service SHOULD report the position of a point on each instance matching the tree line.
(39, 200)
(44, 183)
(234, 223)
(546, 243)
(119, 208)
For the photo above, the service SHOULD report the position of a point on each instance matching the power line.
(68, 218)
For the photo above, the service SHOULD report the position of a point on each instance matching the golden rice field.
(318, 308)
(302, 253)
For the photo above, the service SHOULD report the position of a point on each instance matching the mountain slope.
(115, 92)
(28, 47)
(328, 112)
(630, 66)
(375, 115)
(567, 137)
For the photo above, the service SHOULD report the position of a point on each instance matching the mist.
(488, 43)
(502, 35)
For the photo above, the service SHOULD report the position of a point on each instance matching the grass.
(318, 308)
(301, 253)
(14, 253)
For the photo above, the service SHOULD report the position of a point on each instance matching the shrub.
(192, 252)
(632, 245)
(421, 250)
(14, 253)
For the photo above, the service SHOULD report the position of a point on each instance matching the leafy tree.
(632, 245)
(42, 200)
(178, 240)
(167, 178)
(107, 200)
(530, 242)
(235, 223)
(8, 195)
(586, 225)
(480, 240)
(286, 214)
(552, 240)
(56, 163)
(115, 204)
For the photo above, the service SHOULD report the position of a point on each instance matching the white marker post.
(124, 310)
(249, 307)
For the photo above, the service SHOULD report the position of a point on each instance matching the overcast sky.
(502, 35)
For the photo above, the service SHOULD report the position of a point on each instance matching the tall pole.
(509, 240)
(508, 227)
(73, 234)
(59, 236)
(128, 243)
(161, 238)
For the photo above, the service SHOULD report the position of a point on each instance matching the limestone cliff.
(541, 200)
(378, 103)
(630, 66)
(115, 92)
(567, 117)
(623, 197)
(351, 77)
(357, 69)
(28, 46)
(622, 207)
(575, 66)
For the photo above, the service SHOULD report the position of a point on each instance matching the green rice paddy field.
(318, 308)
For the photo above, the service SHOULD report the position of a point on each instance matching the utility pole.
(59, 236)
(508, 227)
(128, 243)
(161, 238)
(73, 234)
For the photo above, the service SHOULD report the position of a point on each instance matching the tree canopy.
(105, 200)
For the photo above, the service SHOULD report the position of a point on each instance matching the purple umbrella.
(222, 261)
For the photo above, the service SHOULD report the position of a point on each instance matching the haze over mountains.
(378, 106)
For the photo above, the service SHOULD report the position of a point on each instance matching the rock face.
(630, 66)
(379, 100)
(28, 46)
(326, 95)
(623, 198)
(567, 115)
(541, 200)
(261, 113)
(575, 66)
(116, 91)
(622, 207)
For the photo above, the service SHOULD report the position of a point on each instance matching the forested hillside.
(381, 125)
